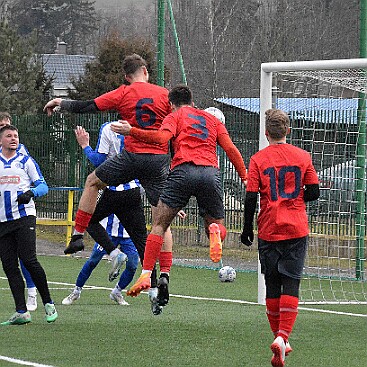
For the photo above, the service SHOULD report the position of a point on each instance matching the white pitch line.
(91, 287)
(24, 363)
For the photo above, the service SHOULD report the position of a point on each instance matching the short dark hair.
(7, 127)
(5, 115)
(180, 95)
(276, 123)
(132, 63)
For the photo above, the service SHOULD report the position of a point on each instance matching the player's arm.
(312, 192)
(247, 235)
(71, 106)
(82, 137)
(148, 136)
(234, 155)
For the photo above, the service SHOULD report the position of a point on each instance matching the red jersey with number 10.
(143, 105)
(195, 135)
(280, 172)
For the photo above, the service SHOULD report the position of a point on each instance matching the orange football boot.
(141, 284)
(215, 243)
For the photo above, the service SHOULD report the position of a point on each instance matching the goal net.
(326, 102)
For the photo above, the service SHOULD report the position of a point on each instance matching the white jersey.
(16, 176)
(113, 227)
(111, 143)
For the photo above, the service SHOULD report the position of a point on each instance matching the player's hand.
(50, 105)
(25, 198)
(247, 236)
(181, 214)
(82, 136)
(121, 127)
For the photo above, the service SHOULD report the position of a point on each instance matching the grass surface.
(194, 330)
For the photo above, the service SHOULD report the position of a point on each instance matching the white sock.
(78, 289)
(32, 291)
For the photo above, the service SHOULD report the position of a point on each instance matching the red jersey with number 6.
(280, 172)
(195, 134)
(143, 105)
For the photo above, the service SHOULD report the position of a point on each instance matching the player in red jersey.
(286, 179)
(194, 171)
(144, 105)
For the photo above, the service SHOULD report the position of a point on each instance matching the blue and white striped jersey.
(16, 176)
(111, 143)
(113, 227)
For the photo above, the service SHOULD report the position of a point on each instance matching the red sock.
(152, 251)
(165, 261)
(272, 312)
(288, 308)
(82, 219)
(223, 231)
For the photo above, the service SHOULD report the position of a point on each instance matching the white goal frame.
(266, 101)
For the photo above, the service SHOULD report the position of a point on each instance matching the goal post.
(326, 102)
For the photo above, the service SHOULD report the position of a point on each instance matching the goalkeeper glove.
(25, 198)
(247, 236)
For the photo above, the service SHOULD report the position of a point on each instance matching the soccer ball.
(217, 113)
(227, 274)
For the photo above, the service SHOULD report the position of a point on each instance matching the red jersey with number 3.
(143, 105)
(195, 135)
(280, 172)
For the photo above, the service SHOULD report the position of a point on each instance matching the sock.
(78, 289)
(152, 251)
(82, 219)
(32, 291)
(288, 307)
(165, 261)
(117, 289)
(223, 231)
(272, 312)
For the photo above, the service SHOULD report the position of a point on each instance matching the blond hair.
(276, 123)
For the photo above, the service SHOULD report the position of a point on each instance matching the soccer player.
(5, 119)
(121, 238)
(124, 201)
(18, 224)
(286, 179)
(194, 171)
(145, 105)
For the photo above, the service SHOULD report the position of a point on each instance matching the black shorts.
(202, 182)
(285, 257)
(150, 169)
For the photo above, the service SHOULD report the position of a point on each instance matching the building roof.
(326, 110)
(63, 68)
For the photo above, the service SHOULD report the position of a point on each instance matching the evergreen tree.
(23, 82)
(72, 21)
(105, 73)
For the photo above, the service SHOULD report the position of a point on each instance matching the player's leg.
(163, 216)
(127, 246)
(31, 288)
(9, 259)
(84, 274)
(208, 193)
(165, 264)
(131, 215)
(290, 266)
(87, 205)
(26, 236)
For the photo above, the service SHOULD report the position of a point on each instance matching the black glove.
(25, 198)
(247, 236)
